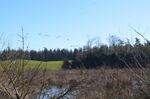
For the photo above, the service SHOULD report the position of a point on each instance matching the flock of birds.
(56, 37)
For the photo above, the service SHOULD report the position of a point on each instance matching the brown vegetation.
(91, 84)
(107, 84)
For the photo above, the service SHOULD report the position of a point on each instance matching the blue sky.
(70, 23)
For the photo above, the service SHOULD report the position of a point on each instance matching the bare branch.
(140, 34)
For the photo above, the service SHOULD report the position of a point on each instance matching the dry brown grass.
(95, 84)
(105, 84)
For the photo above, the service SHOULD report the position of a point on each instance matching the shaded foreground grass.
(98, 84)
(106, 84)
(49, 65)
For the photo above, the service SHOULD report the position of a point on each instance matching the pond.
(137, 84)
(55, 92)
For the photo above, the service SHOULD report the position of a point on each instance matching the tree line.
(42, 55)
(118, 54)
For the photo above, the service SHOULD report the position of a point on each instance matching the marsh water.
(55, 92)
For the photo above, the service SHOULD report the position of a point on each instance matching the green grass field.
(49, 65)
